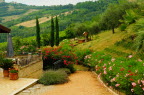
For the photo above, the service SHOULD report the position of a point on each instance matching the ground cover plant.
(123, 74)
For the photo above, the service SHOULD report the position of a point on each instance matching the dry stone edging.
(112, 90)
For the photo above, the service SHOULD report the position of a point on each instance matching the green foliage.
(123, 27)
(65, 70)
(71, 68)
(139, 25)
(57, 31)
(38, 33)
(6, 64)
(13, 71)
(53, 77)
(45, 39)
(52, 32)
(81, 54)
(112, 16)
(139, 42)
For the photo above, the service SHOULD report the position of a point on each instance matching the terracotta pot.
(6, 73)
(13, 76)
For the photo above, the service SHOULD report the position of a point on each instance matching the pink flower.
(126, 75)
(133, 84)
(117, 85)
(130, 56)
(105, 72)
(113, 79)
(99, 75)
(110, 68)
(113, 59)
(138, 81)
(142, 82)
(110, 86)
(143, 88)
(139, 60)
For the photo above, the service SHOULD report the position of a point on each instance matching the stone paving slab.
(11, 87)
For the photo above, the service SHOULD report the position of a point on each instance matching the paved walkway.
(10, 87)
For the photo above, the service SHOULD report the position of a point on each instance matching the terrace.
(26, 65)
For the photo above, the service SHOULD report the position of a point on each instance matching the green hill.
(14, 14)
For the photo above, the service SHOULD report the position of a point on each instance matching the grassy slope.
(105, 40)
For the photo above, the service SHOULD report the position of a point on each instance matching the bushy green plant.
(54, 77)
(13, 71)
(81, 54)
(6, 64)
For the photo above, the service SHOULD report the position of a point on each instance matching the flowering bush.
(64, 52)
(124, 74)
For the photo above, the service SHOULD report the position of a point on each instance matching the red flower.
(131, 79)
(129, 71)
(131, 74)
(122, 69)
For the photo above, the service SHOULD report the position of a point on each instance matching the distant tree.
(57, 31)
(112, 16)
(38, 33)
(52, 32)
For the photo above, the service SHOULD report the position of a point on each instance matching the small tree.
(57, 31)
(38, 33)
(52, 32)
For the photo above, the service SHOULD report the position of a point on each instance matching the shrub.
(81, 54)
(71, 67)
(53, 77)
(64, 52)
(6, 63)
(65, 70)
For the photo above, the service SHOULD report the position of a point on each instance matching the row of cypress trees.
(54, 36)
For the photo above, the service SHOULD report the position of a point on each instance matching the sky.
(48, 2)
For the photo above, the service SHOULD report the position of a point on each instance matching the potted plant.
(6, 64)
(13, 75)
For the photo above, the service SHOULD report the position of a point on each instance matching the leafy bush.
(6, 64)
(81, 54)
(53, 77)
(71, 67)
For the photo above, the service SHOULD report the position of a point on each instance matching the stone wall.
(32, 70)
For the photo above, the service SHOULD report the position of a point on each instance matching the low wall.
(32, 70)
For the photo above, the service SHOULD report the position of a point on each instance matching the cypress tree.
(38, 33)
(52, 32)
(57, 31)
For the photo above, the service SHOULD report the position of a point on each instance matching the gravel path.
(81, 83)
